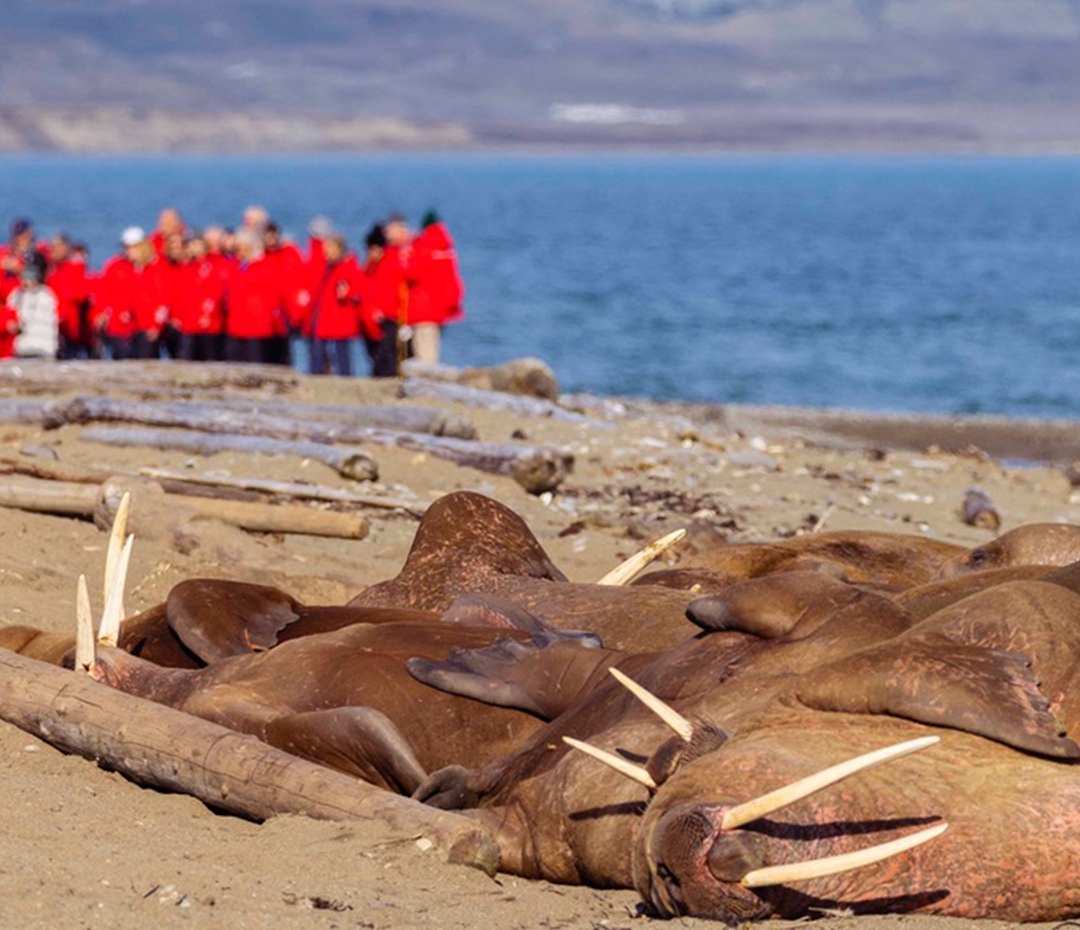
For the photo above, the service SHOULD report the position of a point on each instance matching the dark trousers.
(202, 347)
(142, 346)
(238, 349)
(383, 352)
(330, 356)
(119, 347)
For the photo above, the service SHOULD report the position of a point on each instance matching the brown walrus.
(1031, 544)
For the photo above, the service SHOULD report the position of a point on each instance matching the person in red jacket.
(19, 251)
(435, 288)
(171, 268)
(382, 304)
(254, 303)
(68, 279)
(201, 317)
(130, 309)
(332, 322)
(291, 269)
(170, 223)
(9, 329)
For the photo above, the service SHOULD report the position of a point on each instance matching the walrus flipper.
(358, 740)
(933, 680)
(542, 676)
(503, 613)
(215, 618)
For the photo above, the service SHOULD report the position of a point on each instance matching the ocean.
(921, 284)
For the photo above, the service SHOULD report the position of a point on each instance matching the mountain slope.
(788, 74)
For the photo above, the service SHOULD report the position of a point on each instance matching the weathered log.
(84, 500)
(61, 471)
(326, 423)
(284, 489)
(349, 462)
(531, 377)
(979, 510)
(42, 496)
(53, 470)
(156, 745)
(535, 468)
(31, 374)
(27, 410)
(396, 417)
(516, 404)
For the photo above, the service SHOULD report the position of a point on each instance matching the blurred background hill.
(740, 75)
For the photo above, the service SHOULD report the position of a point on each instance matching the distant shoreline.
(127, 131)
(1012, 439)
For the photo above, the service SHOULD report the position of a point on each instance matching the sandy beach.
(84, 847)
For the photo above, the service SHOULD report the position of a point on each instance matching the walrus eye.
(676, 752)
(978, 557)
(692, 739)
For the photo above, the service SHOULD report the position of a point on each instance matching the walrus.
(890, 561)
(1032, 544)
(203, 620)
(468, 543)
(994, 676)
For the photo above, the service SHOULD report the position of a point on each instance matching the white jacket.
(38, 324)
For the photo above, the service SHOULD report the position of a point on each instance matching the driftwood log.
(136, 375)
(282, 489)
(495, 400)
(347, 461)
(156, 745)
(406, 419)
(87, 500)
(979, 510)
(531, 377)
(535, 468)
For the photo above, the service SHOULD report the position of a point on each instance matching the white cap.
(133, 235)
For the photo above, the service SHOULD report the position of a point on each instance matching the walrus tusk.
(625, 573)
(669, 715)
(830, 865)
(789, 794)
(636, 772)
(113, 614)
(85, 652)
(116, 542)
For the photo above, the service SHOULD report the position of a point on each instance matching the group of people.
(244, 294)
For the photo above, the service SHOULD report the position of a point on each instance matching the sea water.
(924, 284)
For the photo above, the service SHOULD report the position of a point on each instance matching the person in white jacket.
(35, 304)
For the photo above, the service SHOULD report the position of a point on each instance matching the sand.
(84, 847)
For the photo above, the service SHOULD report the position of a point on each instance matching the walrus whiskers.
(831, 865)
(669, 715)
(639, 561)
(620, 765)
(804, 787)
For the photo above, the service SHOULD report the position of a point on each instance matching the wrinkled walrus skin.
(468, 543)
(995, 675)
(342, 698)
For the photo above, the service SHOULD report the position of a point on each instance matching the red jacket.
(385, 295)
(435, 288)
(12, 264)
(334, 311)
(202, 303)
(254, 301)
(172, 282)
(71, 285)
(291, 270)
(131, 299)
(9, 326)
